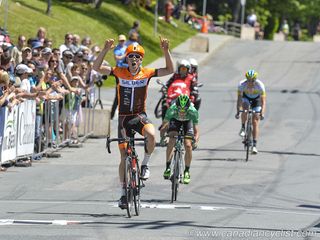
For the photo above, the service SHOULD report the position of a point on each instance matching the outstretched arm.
(164, 44)
(98, 62)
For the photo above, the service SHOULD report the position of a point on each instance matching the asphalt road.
(275, 195)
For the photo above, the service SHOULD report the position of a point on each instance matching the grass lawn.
(112, 19)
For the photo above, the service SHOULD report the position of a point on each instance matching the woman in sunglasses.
(132, 85)
(181, 114)
(251, 91)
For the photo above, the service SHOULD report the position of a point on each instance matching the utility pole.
(204, 10)
(243, 6)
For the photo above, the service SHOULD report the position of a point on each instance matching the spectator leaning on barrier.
(72, 110)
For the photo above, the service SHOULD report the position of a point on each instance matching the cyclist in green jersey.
(181, 114)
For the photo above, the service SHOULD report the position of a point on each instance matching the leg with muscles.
(123, 200)
(187, 159)
(149, 133)
(169, 154)
(244, 117)
(190, 133)
(255, 132)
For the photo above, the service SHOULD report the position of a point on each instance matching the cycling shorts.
(137, 122)
(175, 125)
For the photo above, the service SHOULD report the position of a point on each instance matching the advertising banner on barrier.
(9, 137)
(26, 127)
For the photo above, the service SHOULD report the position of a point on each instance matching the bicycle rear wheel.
(175, 177)
(129, 190)
(137, 185)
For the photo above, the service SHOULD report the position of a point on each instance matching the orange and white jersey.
(132, 90)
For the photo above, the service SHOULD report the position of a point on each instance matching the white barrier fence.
(17, 130)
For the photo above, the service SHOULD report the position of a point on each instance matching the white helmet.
(193, 63)
(183, 63)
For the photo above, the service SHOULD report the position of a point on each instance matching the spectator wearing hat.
(68, 41)
(23, 71)
(119, 51)
(17, 50)
(37, 45)
(66, 63)
(45, 56)
(26, 55)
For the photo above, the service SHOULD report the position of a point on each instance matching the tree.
(98, 3)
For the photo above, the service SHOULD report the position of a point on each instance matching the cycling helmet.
(193, 63)
(183, 102)
(251, 75)
(135, 48)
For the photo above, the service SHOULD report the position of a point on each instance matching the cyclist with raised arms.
(181, 114)
(251, 91)
(132, 84)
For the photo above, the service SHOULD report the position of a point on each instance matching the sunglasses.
(183, 68)
(137, 56)
(68, 57)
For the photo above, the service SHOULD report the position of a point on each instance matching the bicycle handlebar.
(128, 139)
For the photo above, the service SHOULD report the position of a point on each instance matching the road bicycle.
(133, 182)
(248, 138)
(177, 165)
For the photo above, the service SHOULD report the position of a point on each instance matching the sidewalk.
(183, 51)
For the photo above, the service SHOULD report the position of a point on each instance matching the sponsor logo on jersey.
(133, 83)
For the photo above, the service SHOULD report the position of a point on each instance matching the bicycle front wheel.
(129, 190)
(137, 185)
(175, 177)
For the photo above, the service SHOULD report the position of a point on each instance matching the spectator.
(56, 52)
(296, 32)
(119, 51)
(86, 42)
(177, 10)
(135, 29)
(95, 50)
(68, 40)
(47, 43)
(168, 10)
(45, 56)
(26, 55)
(75, 44)
(17, 50)
(4, 89)
(252, 18)
(41, 34)
(66, 63)
(133, 38)
(285, 29)
(72, 110)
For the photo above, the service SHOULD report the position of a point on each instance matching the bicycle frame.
(132, 180)
(247, 139)
(177, 163)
